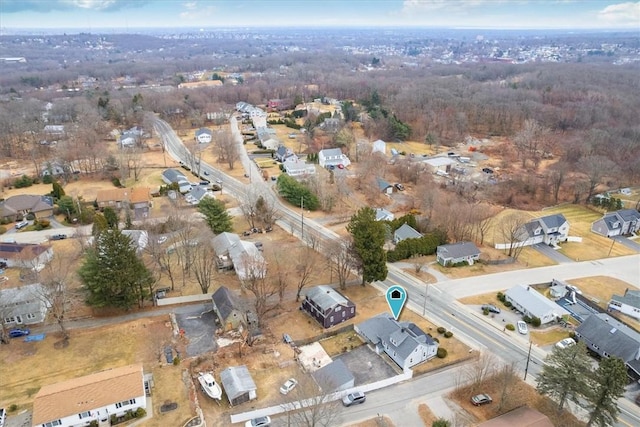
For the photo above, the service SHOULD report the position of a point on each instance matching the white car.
(258, 422)
(289, 385)
(567, 342)
(522, 327)
(162, 239)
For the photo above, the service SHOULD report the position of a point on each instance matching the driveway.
(199, 327)
(366, 366)
(549, 252)
(625, 241)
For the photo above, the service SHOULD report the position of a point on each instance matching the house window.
(53, 423)
(31, 316)
(125, 403)
(84, 415)
(331, 319)
(338, 308)
(9, 319)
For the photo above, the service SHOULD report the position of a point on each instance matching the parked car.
(487, 170)
(481, 399)
(258, 422)
(522, 327)
(205, 173)
(289, 385)
(399, 187)
(162, 239)
(17, 333)
(355, 398)
(3, 416)
(340, 166)
(286, 338)
(21, 224)
(58, 237)
(567, 342)
(491, 308)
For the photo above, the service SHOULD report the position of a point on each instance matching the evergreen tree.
(609, 381)
(563, 375)
(216, 215)
(100, 224)
(57, 191)
(113, 274)
(67, 206)
(112, 218)
(368, 241)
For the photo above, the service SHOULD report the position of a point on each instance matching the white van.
(21, 224)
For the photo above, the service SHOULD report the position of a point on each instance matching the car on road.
(206, 173)
(567, 342)
(17, 333)
(58, 237)
(162, 239)
(289, 385)
(355, 398)
(481, 399)
(399, 187)
(490, 308)
(258, 422)
(522, 327)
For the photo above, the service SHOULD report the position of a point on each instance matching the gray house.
(455, 253)
(228, 309)
(384, 215)
(23, 305)
(328, 306)
(238, 385)
(608, 337)
(618, 223)
(629, 303)
(334, 377)
(532, 303)
(405, 232)
(203, 136)
(174, 176)
(404, 342)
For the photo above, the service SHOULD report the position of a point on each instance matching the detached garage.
(238, 385)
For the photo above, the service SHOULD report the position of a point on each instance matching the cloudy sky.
(209, 14)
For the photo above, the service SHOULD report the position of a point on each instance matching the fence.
(323, 335)
(183, 299)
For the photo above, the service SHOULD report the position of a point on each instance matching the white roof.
(534, 302)
(439, 161)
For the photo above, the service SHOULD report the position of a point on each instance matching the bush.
(13, 407)
(442, 353)
(448, 334)
(23, 181)
(527, 319)
(485, 311)
(441, 422)
(47, 179)
(140, 413)
(31, 216)
(535, 321)
(116, 182)
(508, 304)
(500, 296)
(3, 229)
(441, 330)
(510, 327)
(176, 361)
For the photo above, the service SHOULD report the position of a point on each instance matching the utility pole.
(424, 306)
(613, 242)
(526, 368)
(302, 217)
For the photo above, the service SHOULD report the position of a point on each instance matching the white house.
(628, 304)
(23, 305)
(404, 342)
(203, 136)
(25, 255)
(299, 168)
(271, 144)
(622, 222)
(549, 230)
(532, 303)
(458, 252)
(95, 397)
(171, 176)
(333, 157)
(379, 146)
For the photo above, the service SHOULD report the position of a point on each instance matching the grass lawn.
(548, 336)
(600, 288)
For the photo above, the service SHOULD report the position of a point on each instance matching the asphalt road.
(438, 301)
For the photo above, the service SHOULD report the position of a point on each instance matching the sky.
(212, 14)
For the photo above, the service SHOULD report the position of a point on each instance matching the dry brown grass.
(520, 393)
(600, 288)
(548, 336)
(375, 422)
(426, 415)
(337, 344)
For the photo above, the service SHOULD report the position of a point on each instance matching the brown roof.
(134, 195)
(82, 394)
(521, 417)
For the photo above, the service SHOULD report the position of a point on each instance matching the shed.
(238, 385)
(334, 377)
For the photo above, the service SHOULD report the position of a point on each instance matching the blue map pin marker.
(396, 297)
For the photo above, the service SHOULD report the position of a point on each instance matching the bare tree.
(249, 204)
(227, 149)
(267, 210)
(186, 240)
(311, 404)
(557, 174)
(531, 142)
(480, 370)
(340, 257)
(483, 215)
(595, 167)
(255, 281)
(279, 271)
(305, 269)
(204, 264)
(512, 232)
(507, 379)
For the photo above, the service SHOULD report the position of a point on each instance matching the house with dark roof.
(550, 230)
(618, 223)
(228, 309)
(203, 136)
(532, 303)
(333, 157)
(458, 252)
(23, 305)
(334, 376)
(19, 206)
(197, 193)
(328, 306)
(174, 176)
(609, 337)
(628, 304)
(25, 255)
(331, 125)
(405, 231)
(92, 398)
(238, 385)
(404, 342)
(283, 153)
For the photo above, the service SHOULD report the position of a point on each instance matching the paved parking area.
(631, 244)
(549, 252)
(366, 366)
(199, 327)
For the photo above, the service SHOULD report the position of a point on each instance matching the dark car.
(354, 398)
(17, 333)
(481, 399)
(490, 308)
(58, 237)
(399, 187)
(487, 170)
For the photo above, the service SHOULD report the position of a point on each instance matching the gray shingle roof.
(611, 336)
(203, 131)
(630, 297)
(225, 301)
(326, 297)
(236, 381)
(458, 250)
(331, 152)
(174, 175)
(382, 184)
(628, 214)
(553, 221)
(406, 232)
(21, 300)
(383, 214)
(223, 242)
(534, 302)
(333, 376)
